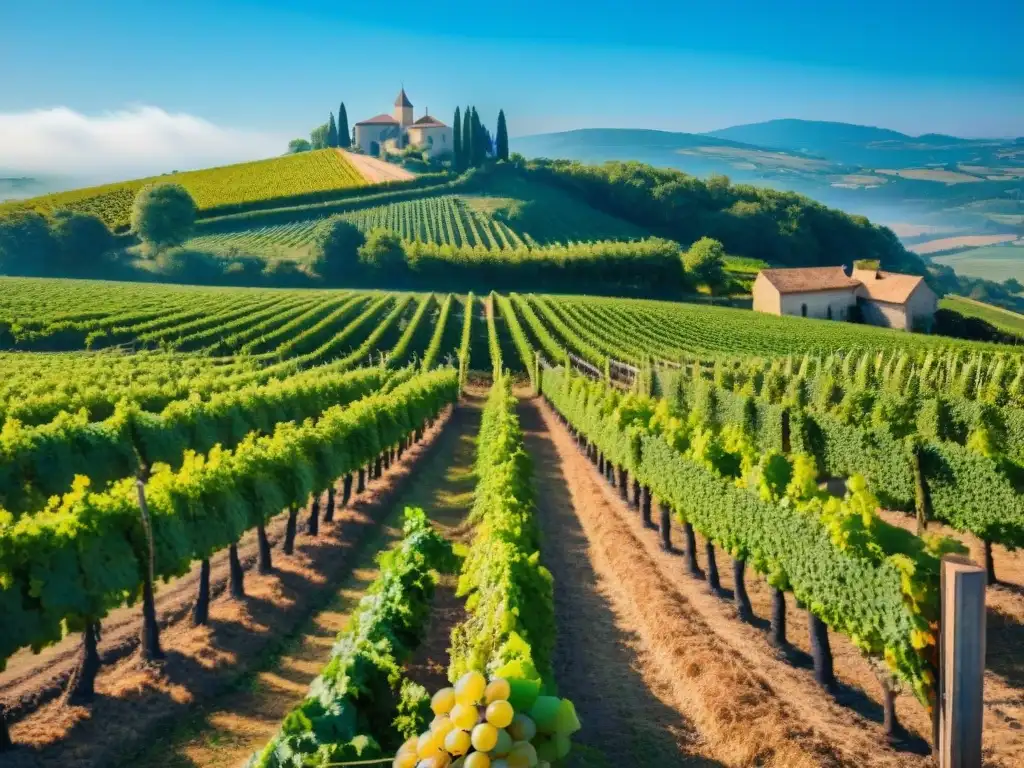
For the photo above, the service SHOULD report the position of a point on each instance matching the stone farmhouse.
(888, 299)
(395, 132)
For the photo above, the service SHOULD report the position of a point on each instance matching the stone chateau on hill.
(395, 132)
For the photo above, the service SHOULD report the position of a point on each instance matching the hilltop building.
(399, 130)
(888, 299)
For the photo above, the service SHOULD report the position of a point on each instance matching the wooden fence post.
(961, 663)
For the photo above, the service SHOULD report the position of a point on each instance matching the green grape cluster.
(501, 723)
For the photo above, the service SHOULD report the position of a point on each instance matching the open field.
(276, 437)
(292, 176)
(1007, 219)
(858, 181)
(759, 158)
(960, 241)
(1000, 173)
(932, 174)
(992, 262)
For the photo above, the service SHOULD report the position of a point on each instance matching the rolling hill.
(606, 230)
(299, 178)
(862, 145)
(504, 213)
(691, 152)
(931, 181)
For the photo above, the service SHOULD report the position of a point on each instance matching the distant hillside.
(692, 152)
(610, 138)
(862, 145)
(18, 187)
(942, 183)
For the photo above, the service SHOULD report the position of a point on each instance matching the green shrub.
(163, 215)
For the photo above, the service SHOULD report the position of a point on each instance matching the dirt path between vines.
(724, 694)
(601, 662)
(376, 171)
(133, 705)
(233, 726)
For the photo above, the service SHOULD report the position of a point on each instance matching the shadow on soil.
(1004, 637)
(624, 722)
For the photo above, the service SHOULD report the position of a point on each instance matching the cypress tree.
(332, 132)
(478, 149)
(344, 134)
(488, 141)
(457, 142)
(502, 141)
(467, 138)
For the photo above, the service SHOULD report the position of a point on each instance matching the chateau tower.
(403, 110)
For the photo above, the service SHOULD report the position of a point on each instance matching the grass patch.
(991, 262)
(1003, 319)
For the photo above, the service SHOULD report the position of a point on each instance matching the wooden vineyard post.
(961, 663)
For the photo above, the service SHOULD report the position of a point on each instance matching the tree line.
(472, 140)
(342, 254)
(781, 228)
(330, 134)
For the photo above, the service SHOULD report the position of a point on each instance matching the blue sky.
(264, 67)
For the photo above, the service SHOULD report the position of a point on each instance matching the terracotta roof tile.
(809, 279)
(428, 121)
(384, 119)
(890, 287)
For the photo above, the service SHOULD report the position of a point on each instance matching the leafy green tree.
(163, 215)
(382, 250)
(318, 136)
(82, 239)
(705, 262)
(457, 156)
(501, 150)
(298, 145)
(27, 244)
(1013, 285)
(467, 138)
(332, 132)
(336, 244)
(344, 133)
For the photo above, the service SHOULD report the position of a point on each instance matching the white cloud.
(127, 143)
